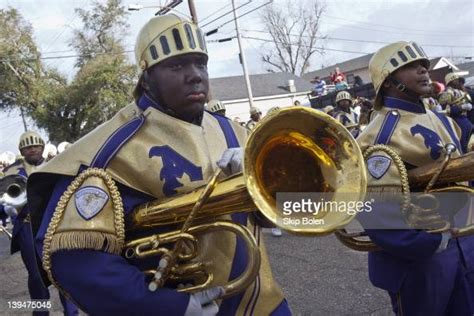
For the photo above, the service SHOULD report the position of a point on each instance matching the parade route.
(319, 276)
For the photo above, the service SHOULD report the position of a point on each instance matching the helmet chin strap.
(403, 88)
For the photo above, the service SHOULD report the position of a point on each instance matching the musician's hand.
(231, 161)
(426, 218)
(202, 303)
(10, 210)
(454, 232)
(466, 106)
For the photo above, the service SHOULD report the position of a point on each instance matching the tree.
(103, 27)
(104, 82)
(101, 87)
(294, 29)
(24, 81)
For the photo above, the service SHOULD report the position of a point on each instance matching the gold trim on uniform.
(68, 230)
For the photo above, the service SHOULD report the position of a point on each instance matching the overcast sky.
(354, 28)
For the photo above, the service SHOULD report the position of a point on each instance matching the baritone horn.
(437, 177)
(292, 150)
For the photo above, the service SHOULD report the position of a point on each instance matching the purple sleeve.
(455, 111)
(408, 244)
(387, 228)
(106, 284)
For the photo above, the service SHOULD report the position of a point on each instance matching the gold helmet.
(343, 95)
(30, 138)
(390, 58)
(451, 76)
(163, 37)
(254, 110)
(215, 105)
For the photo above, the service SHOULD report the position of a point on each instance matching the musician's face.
(415, 77)
(256, 116)
(182, 84)
(32, 154)
(456, 84)
(345, 104)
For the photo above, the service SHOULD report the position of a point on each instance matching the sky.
(353, 28)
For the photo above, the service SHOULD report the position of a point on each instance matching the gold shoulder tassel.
(108, 242)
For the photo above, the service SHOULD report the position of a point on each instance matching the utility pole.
(23, 119)
(192, 10)
(242, 56)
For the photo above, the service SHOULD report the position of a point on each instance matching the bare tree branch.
(294, 31)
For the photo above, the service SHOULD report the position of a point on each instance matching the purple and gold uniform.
(138, 147)
(424, 273)
(454, 101)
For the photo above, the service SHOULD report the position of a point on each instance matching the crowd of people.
(82, 205)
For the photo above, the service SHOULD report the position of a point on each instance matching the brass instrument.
(293, 150)
(13, 191)
(443, 175)
(458, 102)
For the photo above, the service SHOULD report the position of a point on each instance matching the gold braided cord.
(402, 170)
(74, 240)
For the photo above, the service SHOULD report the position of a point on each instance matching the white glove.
(10, 210)
(466, 106)
(445, 237)
(231, 161)
(202, 303)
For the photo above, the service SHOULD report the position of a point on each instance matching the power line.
(244, 14)
(361, 41)
(398, 27)
(385, 31)
(66, 56)
(328, 49)
(228, 12)
(217, 11)
(295, 44)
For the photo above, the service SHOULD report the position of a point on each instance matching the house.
(354, 67)
(469, 68)
(359, 66)
(280, 89)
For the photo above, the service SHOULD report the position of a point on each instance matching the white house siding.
(240, 108)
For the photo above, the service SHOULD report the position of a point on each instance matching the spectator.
(319, 88)
(338, 75)
(296, 103)
(341, 84)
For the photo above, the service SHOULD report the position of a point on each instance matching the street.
(319, 276)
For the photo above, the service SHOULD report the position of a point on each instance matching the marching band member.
(255, 117)
(345, 114)
(457, 103)
(31, 147)
(161, 145)
(216, 106)
(424, 273)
